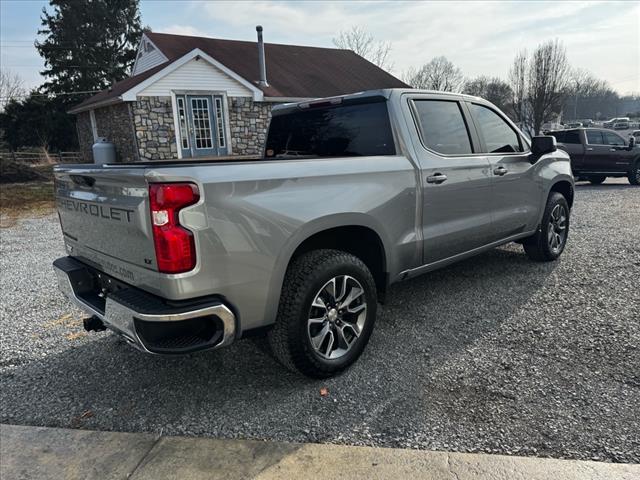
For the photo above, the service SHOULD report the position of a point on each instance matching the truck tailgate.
(106, 210)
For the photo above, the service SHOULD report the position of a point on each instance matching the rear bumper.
(149, 323)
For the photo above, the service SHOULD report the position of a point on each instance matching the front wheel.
(326, 314)
(634, 174)
(548, 242)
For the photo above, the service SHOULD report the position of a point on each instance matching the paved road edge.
(54, 453)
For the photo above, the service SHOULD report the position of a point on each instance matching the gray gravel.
(495, 354)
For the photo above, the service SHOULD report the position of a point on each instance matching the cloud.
(186, 30)
(480, 37)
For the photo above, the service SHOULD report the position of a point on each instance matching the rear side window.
(560, 136)
(498, 136)
(443, 127)
(594, 137)
(344, 130)
(613, 139)
(572, 137)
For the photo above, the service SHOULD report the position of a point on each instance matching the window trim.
(524, 145)
(416, 121)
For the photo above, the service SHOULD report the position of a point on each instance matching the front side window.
(498, 136)
(443, 127)
(594, 137)
(334, 131)
(613, 139)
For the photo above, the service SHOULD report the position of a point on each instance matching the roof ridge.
(247, 41)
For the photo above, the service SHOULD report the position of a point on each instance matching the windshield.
(337, 131)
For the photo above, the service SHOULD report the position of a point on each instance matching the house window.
(182, 120)
(220, 117)
(201, 123)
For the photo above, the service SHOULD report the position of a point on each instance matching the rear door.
(516, 195)
(597, 152)
(104, 214)
(456, 214)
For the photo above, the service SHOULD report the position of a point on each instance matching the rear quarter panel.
(255, 214)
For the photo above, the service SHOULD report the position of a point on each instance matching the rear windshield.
(338, 131)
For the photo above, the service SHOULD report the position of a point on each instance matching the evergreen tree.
(89, 43)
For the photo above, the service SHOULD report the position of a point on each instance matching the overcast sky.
(479, 37)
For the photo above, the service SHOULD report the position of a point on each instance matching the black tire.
(540, 247)
(597, 180)
(305, 280)
(634, 174)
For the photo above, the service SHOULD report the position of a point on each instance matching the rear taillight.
(175, 247)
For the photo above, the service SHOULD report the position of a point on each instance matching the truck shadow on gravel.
(395, 387)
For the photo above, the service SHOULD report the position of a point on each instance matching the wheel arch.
(341, 232)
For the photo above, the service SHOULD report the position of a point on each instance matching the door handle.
(613, 150)
(438, 178)
(500, 171)
(590, 149)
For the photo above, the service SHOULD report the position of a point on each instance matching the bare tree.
(11, 87)
(363, 43)
(518, 81)
(548, 81)
(495, 90)
(540, 84)
(439, 74)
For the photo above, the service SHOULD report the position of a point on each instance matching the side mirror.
(543, 144)
(632, 142)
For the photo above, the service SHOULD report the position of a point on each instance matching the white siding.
(196, 75)
(147, 56)
(148, 60)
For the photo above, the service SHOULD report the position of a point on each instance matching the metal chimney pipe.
(263, 67)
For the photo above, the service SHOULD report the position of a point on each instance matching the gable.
(147, 57)
(196, 75)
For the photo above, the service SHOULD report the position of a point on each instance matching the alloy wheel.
(337, 317)
(557, 230)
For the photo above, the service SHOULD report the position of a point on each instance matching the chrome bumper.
(121, 318)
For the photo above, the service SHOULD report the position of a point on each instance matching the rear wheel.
(548, 242)
(597, 180)
(634, 174)
(326, 314)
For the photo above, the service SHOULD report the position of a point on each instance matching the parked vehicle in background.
(549, 126)
(587, 122)
(636, 134)
(573, 125)
(598, 153)
(613, 121)
(621, 126)
(354, 193)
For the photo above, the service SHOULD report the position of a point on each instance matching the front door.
(516, 195)
(456, 183)
(202, 125)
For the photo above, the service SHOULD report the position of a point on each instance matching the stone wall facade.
(154, 128)
(144, 130)
(113, 123)
(248, 123)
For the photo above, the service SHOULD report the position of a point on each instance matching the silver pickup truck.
(353, 193)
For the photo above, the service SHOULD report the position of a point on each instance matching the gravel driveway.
(495, 354)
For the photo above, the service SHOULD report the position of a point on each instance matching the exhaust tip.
(93, 324)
